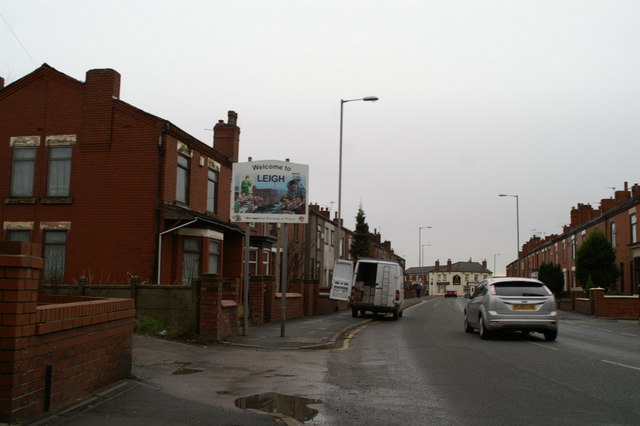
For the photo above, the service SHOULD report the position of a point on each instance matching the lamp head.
(370, 98)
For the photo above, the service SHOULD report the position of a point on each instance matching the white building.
(459, 276)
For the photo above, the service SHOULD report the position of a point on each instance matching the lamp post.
(494, 263)
(342, 102)
(420, 228)
(422, 253)
(517, 221)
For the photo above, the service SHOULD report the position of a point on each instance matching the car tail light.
(397, 294)
(493, 290)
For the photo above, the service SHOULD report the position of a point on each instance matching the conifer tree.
(361, 245)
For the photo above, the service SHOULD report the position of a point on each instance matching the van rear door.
(342, 280)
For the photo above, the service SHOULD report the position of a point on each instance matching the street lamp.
(342, 102)
(420, 243)
(517, 221)
(494, 263)
(422, 253)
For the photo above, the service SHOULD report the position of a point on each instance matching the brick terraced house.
(616, 217)
(111, 191)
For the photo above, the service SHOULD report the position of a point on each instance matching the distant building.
(459, 276)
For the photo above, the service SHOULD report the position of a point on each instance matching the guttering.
(159, 184)
(160, 243)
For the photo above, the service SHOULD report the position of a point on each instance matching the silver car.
(511, 303)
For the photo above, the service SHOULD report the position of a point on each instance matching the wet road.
(424, 369)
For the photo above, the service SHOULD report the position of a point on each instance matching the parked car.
(511, 304)
(450, 293)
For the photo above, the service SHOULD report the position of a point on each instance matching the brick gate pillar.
(210, 306)
(20, 269)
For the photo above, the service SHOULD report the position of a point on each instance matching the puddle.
(295, 407)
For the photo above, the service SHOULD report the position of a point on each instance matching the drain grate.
(186, 371)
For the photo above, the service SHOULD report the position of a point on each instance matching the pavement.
(137, 400)
(318, 332)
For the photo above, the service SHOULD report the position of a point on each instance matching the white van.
(374, 285)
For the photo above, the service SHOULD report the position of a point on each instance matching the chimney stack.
(226, 137)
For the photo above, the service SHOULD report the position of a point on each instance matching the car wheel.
(484, 333)
(354, 312)
(467, 327)
(550, 335)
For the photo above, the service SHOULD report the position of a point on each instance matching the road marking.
(621, 365)
(544, 346)
(416, 304)
(348, 337)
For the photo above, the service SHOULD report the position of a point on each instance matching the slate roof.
(463, 267)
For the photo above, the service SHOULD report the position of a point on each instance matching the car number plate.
(524, 307)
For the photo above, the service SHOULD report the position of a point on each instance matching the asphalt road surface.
(424, 369)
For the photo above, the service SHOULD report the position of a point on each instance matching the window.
(55, 249)
(191, 260)
(214, 257)
(613, 234)
(318, 236)
(23, 235)
(333, 236)
(634, 230)
(59, 180)
(182, 184)
(22, 171)
(266, 255)
(212, 186)
(253, 261)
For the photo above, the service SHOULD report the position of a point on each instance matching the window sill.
(19, 200)
(56, 200)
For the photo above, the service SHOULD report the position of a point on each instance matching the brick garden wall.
(602, 305)
(54, 349)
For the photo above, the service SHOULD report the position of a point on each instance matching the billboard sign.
(270, 191)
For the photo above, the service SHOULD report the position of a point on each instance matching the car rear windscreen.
(520, 289)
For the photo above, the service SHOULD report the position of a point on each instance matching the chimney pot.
(232, 118)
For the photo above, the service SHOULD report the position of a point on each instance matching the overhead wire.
(18, 40)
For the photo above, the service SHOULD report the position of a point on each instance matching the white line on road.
(621, 365)
(544, 346)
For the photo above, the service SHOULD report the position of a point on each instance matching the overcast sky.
(477, 98)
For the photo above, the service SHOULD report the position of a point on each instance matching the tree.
(361, 245)
(552, 276)
(595, 262)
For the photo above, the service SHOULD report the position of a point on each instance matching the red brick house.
(616, 218)
(111, 191)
